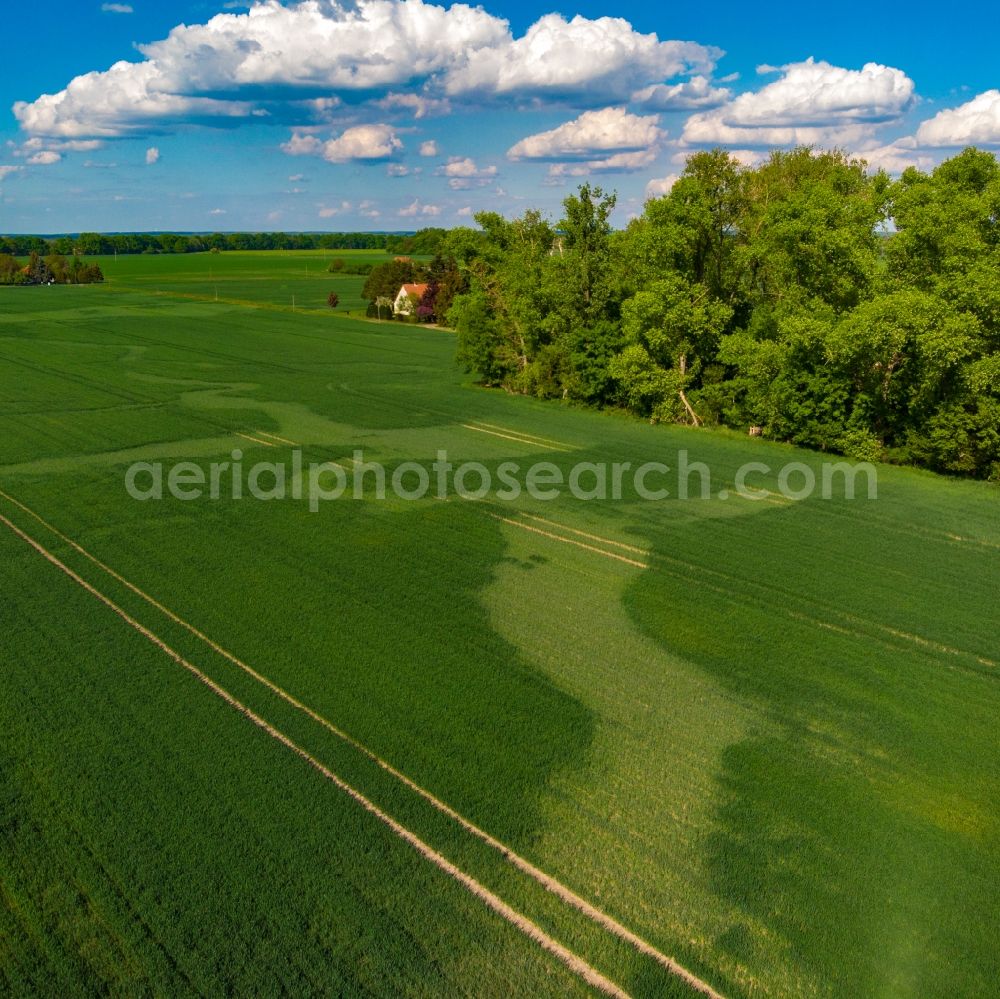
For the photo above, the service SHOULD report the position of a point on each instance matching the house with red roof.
(408, 298)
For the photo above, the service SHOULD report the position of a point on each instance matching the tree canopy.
(809, 296)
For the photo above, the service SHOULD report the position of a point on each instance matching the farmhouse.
(407, 298)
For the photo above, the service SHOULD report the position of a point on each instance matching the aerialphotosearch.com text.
(316, 483)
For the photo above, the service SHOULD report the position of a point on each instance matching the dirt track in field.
(551, 884)
(572, 961)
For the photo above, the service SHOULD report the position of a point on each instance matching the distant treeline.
(92, 244)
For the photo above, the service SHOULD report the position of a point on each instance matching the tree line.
(53, 269)
(807, 299)
(93, 244)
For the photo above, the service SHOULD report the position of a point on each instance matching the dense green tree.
(38, 270)
(9, 269)
(809, 230)
(584, 243)
(386, 279)
(508, 279)
(448, 282)
(784, 384)
(671, 329)
(480, 346)
(58, 268)
(701, 223)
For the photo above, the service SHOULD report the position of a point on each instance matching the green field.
(760, 735)
(278, 278)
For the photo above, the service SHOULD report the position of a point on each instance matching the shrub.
(9, 269)
(860, 444)
(333, 300)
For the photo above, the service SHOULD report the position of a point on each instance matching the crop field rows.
(575, 964)
(252, 278)
(465, 746)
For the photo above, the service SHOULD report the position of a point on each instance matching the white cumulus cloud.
(748, 157)
(36, 143)
(660, 186)
(463, 173)
(304, 58)
(45, 158)
(608, 131)
(895, 157)
(577, 57)
(429, 148)
(117, 8)
(303, 144)
(358, 143)
(152, 156)
(6, 171)
(811, 102)
(418, 105)
(122, 100)
(617, 163)
(417, 207)
(363, 142)
(977, 122)
(328, 212)
(697, 92)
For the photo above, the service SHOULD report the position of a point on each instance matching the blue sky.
(395, 114)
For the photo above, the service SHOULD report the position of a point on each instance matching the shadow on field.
(371, 613)
(856, 830)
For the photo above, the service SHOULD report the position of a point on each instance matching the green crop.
(765, 741)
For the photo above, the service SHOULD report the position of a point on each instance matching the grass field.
(278, 278)
(761, 736)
